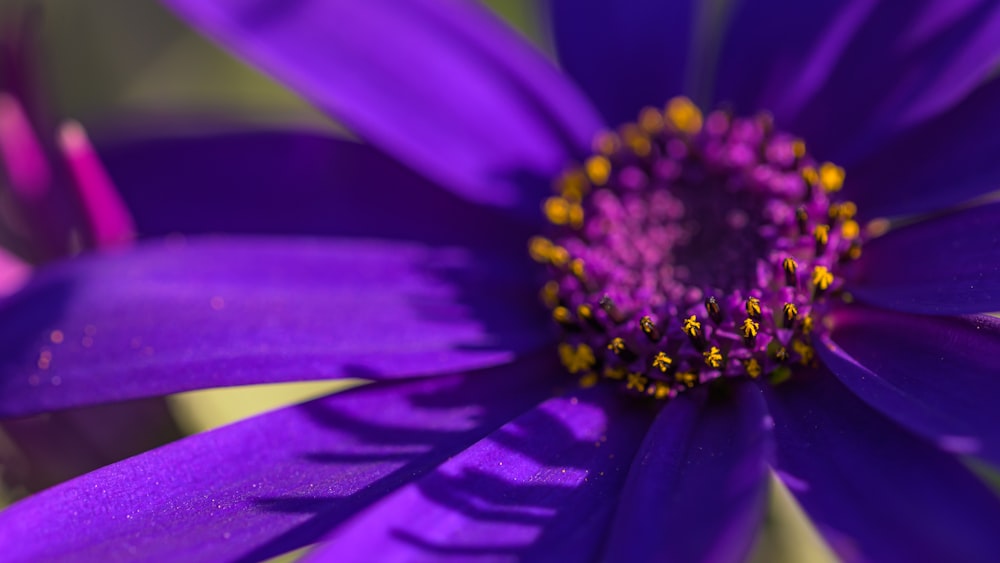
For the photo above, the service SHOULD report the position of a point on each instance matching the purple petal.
(948, 265)
(294, 182)
(943, 162)
(543, 487)
(936, 376)
(273, 483)
(625, 53)
(847, 76)
(875, 491)
(173, 316)
(443, 86)
(698, 488)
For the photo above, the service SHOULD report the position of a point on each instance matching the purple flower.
(869, 395)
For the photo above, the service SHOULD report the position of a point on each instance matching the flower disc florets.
(690, 248)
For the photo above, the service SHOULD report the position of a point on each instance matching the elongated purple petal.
(441, 85)
(875, 491)
(848, 76)
(273, 483)
(698, 488)
(543, 487)
(294, 182)
(625, 53)
(173, 316)
(948, 265)
(936, 376)
(943, 162)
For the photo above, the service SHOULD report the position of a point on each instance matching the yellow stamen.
(850, 229)
(822, 278)
(810, 175)
(822, 234)
(588, 380)
(651, 120)
(598, 169)
(637, 381)
(713, 357)
(606, 143)
(805, 351)
(752, 366)
(540, 249)
(688, 378)
(550, 294)
(663, 362)
(576, 359)
(753, 306)
(791, 311)
(831, 176)
(683, 115)
(750, 328)
(799, 148)
(614, 372)
(691, 326)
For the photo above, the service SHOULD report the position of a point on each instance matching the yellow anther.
(577, 269)
(810, 175)
(598, 170)
(789, 265)
(688, 378)
(843, 211)
(854, 251)
(713, 357)
(877, 227)
(614, 372)
(662, 391)
(557, 210)
(576, 215)
(576, 359)
(588, 380)
(617, 345)
(799, 148)
(550, 294)
(651, 120)
(822, 234)
(850, 229)
(831, 176)
(637, 381)
(750, 328)
(822, 278)
(791, 311)
(683, 115)
(805, 351)
(561, 315)
(636, 139)
(559, 256)
(753, 307)
(572, 185)
(663, 362)
(807, 324)
(585, 311)
(691, 326)
(606, 143)
(752, 367)
(781, 354)
(540, 249)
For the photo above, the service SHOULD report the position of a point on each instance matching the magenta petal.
(295, 182)
(948, 265)
(173, 316)
(442, 85)
(875, 491)
(273, 483)
(543, 488)
(936, 376)
(698, 488)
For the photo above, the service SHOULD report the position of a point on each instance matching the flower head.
(686, 257)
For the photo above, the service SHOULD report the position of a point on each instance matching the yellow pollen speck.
(850, 229)
(550, 294)
(822, 234)
(651, 120)
(799, 148)
(576, 359)
(637, 381)
(713, 357)
(688, 378)
(683, 115)
(822, 278)
(598, 170)
(57, 336)
(691, 326)
(614, 372)
(750, 328)
(752, 366)
(588, 380)
(877, 227)
(831, 176)
(810, 175)
(663, 362)
(606, 143)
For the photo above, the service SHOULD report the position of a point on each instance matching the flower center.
(691, 248)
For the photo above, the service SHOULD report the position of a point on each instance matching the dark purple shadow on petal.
(863, 71)
(943, 162)
(273, 483)
(947, 265)
(171, 316)
(936, 376)
(298, 183)
(625, 53)
(543, 488)
(875, 491)
(443, 86)
(698, 488)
